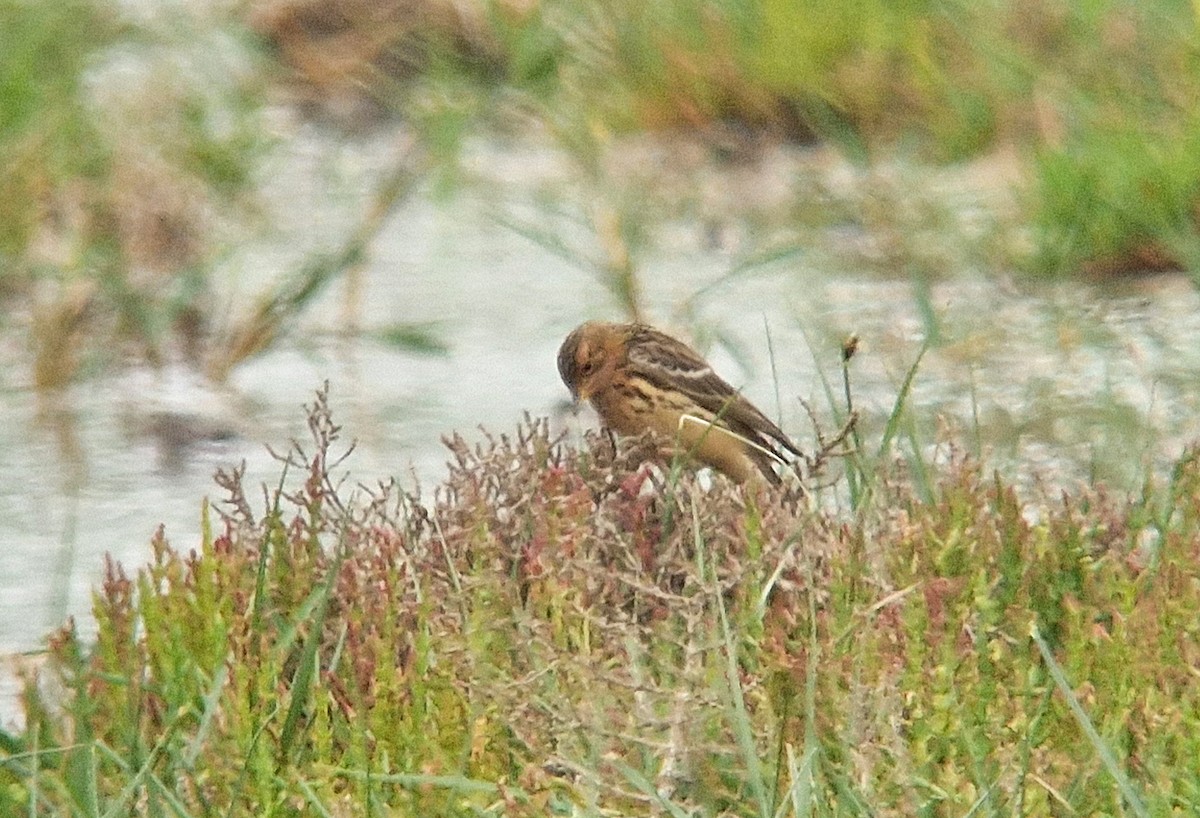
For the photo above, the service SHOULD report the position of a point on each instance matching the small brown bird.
(638, 378)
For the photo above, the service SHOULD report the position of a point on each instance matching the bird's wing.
(672, 365)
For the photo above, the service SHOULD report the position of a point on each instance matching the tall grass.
(547, 636)
(1094, 99)
(106, 230)
(115, 161)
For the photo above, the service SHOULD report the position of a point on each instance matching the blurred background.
(211, 208)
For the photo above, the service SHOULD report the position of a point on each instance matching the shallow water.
(1065, 384)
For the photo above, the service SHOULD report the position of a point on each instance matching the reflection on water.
(1066, 384)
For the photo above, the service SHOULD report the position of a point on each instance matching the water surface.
(1064, 383)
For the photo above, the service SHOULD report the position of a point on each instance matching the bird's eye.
(587, 368)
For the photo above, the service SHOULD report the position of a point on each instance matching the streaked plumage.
(638, 378)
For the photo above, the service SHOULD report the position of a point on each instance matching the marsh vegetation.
(566, 631)
(990, 609)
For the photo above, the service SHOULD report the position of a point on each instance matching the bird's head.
(587, 357)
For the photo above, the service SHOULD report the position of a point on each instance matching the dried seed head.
(849, 346)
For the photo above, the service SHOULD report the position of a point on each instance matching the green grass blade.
(740, 717)
(892, 427)
(244, 774)
(826, 386)
(145, 772)
(314, 801)
(644, 785)
(812, 747)
(212, 701)
(1107, 757)
(801, 789)
(758, 264)
(35, 777)
(306, 671)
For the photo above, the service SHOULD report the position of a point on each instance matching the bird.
(638, 378)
